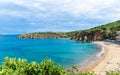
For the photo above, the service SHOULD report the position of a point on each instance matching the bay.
(63, 52)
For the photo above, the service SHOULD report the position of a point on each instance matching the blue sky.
(23, 16)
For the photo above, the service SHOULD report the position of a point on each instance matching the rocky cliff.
(103, 32)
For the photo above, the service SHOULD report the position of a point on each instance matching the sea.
(64, 52)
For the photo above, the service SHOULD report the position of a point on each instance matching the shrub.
(112, 72)
(13, 66)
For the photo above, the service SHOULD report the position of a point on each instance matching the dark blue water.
(63, 51)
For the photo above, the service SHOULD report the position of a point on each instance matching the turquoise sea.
(64, 52)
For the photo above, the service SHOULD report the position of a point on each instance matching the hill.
(72, 33)
(107, 31)
(103, 32)
(44, 35)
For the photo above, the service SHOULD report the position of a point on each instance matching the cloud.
(76, 8)
(52, 14)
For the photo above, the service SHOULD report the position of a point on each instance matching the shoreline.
(101, 56)
(111, 60)
(94, 60)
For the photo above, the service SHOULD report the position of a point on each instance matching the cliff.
(103, 32)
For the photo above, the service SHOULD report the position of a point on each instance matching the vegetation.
(113, 73)
(44, 35)
(13, 66)
(72, 33)
(48, 35)
(103, 32)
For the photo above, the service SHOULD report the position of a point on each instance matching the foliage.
(112, 72)
(107, 31)
(72, 33)
(87, 73)
(13, 66)
(44, 35)
(73, 70)
(48, 35)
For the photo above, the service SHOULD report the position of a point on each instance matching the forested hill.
(107, 31)
(44, 35)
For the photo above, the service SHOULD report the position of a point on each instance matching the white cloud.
(37, 10)
(76, 8)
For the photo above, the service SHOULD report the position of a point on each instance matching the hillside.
(44, 35)
(107, 31)
(72, 33)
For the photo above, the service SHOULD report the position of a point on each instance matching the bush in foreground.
(113, 73)
(13, 66)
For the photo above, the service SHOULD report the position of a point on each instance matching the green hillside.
(113, 25)
(44, 35)
(72, 33)
(48, 35)
(107, 31)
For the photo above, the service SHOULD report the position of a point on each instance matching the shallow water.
(64, 52)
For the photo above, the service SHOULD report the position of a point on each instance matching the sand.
(110, 60)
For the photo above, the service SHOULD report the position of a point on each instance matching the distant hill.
(44, 35)
(107, 31)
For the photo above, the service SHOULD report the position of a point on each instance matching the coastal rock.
(99, 33)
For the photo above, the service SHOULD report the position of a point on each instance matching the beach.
(110, 60)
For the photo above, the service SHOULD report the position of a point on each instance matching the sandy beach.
(110, 60)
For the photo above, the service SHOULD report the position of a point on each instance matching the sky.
(23, 16)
